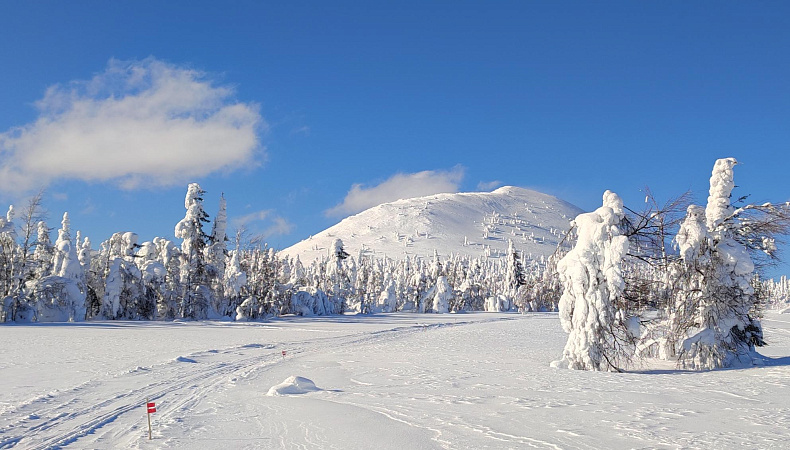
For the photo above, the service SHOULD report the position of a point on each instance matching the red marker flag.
(283, 353)
(151, 407)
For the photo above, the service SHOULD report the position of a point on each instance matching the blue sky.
(322, 108)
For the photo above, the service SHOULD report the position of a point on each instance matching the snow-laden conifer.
(722, 331)
(194, 277)
(216, 254)
(338, 283)
(233, 283)
(388, 299)
(9, 256)
(443, 295)
(591, 274)
(60, 296)
(514, 276)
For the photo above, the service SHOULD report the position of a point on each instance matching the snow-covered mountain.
(475, 224)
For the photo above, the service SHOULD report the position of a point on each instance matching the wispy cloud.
(304, 129)
(279, 227)
(398, 186)
(488, 185)
(138, 123)
(256, 216)
(274, 225)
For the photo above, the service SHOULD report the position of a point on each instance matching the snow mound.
(185, 359)
(475, 224)
(293, 385)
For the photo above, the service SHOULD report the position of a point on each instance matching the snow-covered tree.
(443, 295)
(196, 300)
(234, 281)
(216, 256)
(66, 264)
(718, 294)
(388, 299)
(514, 276)
(339, 285)
(9, 260)
(591, 274)
(43, 254)
(17, 305)
(60, 296)
(124, 271)
(168, 255)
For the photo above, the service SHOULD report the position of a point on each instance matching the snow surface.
(534, 221)
(396, 381)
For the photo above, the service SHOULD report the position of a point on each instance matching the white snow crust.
(390, 381)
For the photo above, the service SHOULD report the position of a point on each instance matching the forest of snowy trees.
(655, 283)
(202, 278)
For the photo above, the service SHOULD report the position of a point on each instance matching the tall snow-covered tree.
(17, 306)
(234, 281)
(9, 262)
(591, 274)
(168, 254)
(196, 299)
(216, 255)
(61, 296)
(43, 254)
(514, 276)
(339, 284)
(123, 284)
(723, 331)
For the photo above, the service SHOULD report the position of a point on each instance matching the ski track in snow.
(406, 381)
(39, 423)
(61, 418)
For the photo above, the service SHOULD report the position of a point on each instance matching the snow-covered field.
(385, 381)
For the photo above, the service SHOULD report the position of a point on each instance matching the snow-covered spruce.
(713, 314)
(591, 274)
(197, 299)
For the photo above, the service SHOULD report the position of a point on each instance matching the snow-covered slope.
(475, 224)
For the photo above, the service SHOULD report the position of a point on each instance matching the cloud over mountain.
(397, 187)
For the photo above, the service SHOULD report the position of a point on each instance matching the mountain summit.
(473, 223)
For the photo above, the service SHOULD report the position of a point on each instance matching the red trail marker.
(151, 408)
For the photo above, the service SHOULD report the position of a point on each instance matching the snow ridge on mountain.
(477, 224)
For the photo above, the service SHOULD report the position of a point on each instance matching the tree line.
(672, 280)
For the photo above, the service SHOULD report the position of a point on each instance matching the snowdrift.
(293, 385)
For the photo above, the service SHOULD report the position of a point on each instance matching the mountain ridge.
(477, 224)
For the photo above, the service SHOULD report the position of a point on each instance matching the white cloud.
(399, 186)
(256, 216)
(278, 225)
(138, 123)
(488, 185)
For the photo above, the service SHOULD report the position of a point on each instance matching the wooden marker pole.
(149, 419)
(150, 408)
